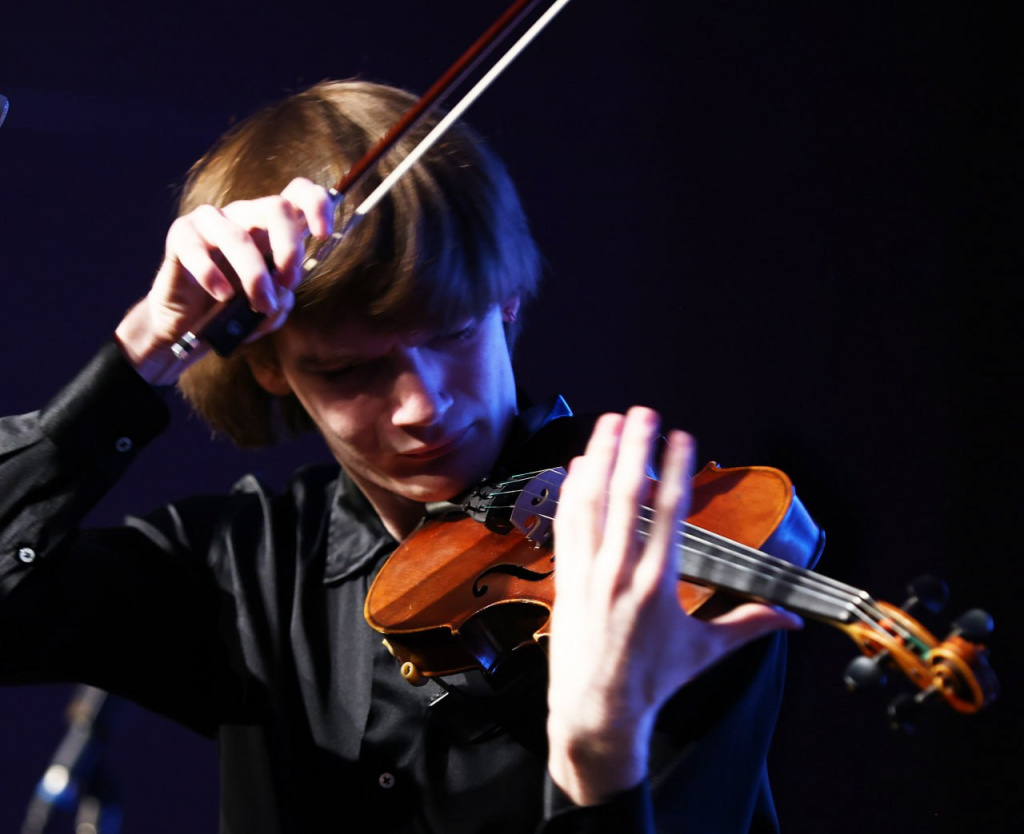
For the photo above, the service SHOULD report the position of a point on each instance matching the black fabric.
(241, 616)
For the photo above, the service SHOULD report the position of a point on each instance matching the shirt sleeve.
(56, 464)
(126, 609)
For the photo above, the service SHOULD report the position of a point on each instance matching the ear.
(510, 309)
(268, 374)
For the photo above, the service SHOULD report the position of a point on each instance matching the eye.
(463, 334)
(338, 374)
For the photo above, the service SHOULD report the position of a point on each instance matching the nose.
(420, 389)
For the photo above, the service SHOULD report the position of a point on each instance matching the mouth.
(432, 451)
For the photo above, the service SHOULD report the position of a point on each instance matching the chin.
(427, 490)
(441, 481)
(441, 485)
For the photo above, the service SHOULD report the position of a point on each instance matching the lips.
(432, 451)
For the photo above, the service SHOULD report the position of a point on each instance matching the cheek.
(496, 377)
(344, 421)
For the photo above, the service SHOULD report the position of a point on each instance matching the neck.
(399, 515)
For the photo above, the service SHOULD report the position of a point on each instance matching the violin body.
(474, 583)
(457, 595)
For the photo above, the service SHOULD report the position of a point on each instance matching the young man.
(242, 615)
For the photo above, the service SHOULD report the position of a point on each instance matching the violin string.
(736, 555)
(735, 548)
(760, 564)
(764, 565)
(857, 601)
(500, 487)
(770, 567)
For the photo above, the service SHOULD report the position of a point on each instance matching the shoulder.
(311, 485)
(252, 510)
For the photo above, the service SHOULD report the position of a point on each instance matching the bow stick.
(232, 322)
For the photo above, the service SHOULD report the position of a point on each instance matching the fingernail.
(270, 302)
(286, 300)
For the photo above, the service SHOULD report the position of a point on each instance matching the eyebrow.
(315, 361)
(311, 359)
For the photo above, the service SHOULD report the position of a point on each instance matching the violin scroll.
(954, 670)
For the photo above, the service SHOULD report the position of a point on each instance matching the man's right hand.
(211, 255)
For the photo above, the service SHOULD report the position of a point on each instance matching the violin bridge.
(534, 510)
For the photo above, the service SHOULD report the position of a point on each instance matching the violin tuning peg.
(904, 709)
(928, 591)
(902, 713)
(863, 673)
(974, 625)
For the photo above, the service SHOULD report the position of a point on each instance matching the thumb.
(751, 620)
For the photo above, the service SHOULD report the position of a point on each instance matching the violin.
(474, 584)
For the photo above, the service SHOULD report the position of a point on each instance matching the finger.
(604, 438)
(661, 557)
(278, 230)
(316, 210)
(593, 473)
(287, 231)
(315, 204)
(629, 488)
(226, 238)
(286, 302)
(579, 521)
(188, 249)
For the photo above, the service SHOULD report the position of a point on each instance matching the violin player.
(241, 615)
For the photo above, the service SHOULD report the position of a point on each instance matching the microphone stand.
(78, 783)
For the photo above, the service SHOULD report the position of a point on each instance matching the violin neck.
(709, 559)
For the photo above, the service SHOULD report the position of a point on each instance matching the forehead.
(351, 336)
(354, 337)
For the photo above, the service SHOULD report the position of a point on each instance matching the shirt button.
(386, 781)
(26, 555)
(123, 444)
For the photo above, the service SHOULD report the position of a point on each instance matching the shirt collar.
(357, 538)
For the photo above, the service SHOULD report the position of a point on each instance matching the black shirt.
(241, 616)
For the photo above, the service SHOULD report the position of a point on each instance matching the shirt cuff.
(106, 412)
(628, 812)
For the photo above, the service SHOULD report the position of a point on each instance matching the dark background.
(790, 227)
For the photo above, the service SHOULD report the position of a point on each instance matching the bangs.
(447, 242)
